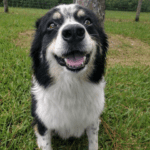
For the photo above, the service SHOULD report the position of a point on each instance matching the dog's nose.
(73, 33)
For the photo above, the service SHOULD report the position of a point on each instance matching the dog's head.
(69, 39)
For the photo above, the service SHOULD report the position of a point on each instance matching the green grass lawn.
(126, 118)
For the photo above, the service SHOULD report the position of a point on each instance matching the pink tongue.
(75, 61)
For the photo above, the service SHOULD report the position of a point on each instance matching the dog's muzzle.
(74, 59)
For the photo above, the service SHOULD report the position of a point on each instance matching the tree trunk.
(138, 10)
(97, 6)
(5, 6)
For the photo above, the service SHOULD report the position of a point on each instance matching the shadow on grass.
(70, 144)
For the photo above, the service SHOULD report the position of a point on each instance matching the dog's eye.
(52, 26)
(87, 22)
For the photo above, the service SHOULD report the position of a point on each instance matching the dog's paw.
(44, 146)
(93, 147)
(43, 143)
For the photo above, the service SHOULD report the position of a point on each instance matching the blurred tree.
(97, 6)
(138, 10)
(5, 5)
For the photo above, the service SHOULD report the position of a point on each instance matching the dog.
(68, 55)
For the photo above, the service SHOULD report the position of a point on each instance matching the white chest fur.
(70, 105)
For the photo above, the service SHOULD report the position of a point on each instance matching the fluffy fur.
(68, 99)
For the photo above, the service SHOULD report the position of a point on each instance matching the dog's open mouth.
(74, 61)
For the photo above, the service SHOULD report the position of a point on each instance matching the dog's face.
(68, 38)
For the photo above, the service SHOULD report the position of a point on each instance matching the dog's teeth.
(65, 60)
(84, 59)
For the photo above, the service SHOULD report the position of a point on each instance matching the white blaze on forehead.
(56, 15)
(67, 10)
(81, 13)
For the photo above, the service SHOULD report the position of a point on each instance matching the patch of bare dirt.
(24, 39)
(118, 20)
(124, 20)
(122, 50)
(127, 51)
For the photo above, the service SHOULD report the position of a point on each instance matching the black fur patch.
(42, 38)
(41, 128)
(99, 65)
(33, 106)
(40, 66)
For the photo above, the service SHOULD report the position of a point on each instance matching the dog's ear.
(104, 40)
(40, 66)
(37, 24)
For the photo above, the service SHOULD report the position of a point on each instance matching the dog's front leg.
(44, 139)
(92, 133)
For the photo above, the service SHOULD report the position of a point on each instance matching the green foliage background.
(46, 4)
(127, 5)
(123, 5)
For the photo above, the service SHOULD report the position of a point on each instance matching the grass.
(125, 120)
(120, 22)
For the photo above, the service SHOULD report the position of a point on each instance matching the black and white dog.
(68, 54)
